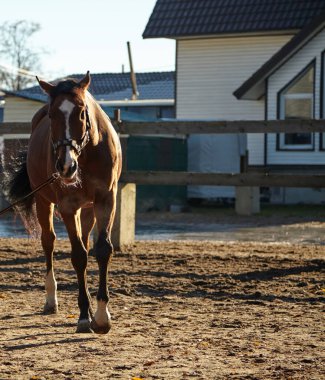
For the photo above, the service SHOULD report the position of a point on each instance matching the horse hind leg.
(45, 217)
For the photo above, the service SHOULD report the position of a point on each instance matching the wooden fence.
(187, 127)
(244, 179)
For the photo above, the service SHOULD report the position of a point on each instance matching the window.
(322, 90)
(297, 102)
(322, 100)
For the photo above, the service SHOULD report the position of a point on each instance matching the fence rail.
(223, 179)
(185, 127)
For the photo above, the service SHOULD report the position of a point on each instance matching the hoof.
(101, 329)
(84, 326)
(50, 309)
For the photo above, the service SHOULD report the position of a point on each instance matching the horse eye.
(82, 115)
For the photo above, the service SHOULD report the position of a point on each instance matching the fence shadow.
(245, 286)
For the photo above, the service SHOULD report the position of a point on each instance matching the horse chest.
(73, 200)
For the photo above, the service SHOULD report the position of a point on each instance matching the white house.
(224, 54)
(292, 85)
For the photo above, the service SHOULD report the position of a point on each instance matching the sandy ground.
(181, 310)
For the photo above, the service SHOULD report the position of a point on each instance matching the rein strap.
(50, 180)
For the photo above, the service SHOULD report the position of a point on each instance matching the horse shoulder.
(39, 115)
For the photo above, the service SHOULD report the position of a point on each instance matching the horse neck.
(98, 118)
(94, 113)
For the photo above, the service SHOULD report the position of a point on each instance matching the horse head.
(70, 123)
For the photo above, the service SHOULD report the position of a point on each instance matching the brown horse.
(72, 136)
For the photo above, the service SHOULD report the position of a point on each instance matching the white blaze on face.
(67, 107)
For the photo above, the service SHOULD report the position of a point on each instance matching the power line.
(20, 71)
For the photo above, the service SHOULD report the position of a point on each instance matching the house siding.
(311, 51)
(208, 72)
(19, 109)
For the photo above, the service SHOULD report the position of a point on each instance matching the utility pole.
(132, 74)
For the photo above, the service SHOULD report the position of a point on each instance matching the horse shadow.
(53, 342)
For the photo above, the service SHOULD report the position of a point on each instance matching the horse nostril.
(65, 170)
(59, 166)
(73, 168)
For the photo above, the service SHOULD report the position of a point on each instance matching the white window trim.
(322, 90)
(323, 84)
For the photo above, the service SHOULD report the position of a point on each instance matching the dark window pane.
(297, 139)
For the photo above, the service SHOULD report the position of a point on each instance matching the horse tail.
(16, 188)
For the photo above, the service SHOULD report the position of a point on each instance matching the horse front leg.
(105, 205)
(79, 259)
(87, 218)
(44, 212)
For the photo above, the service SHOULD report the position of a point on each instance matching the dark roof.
(254, 87)
(116, 86)
(184, 18)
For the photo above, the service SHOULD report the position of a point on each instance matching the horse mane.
(67, 86)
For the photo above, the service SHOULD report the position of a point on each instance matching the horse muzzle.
(68, 172)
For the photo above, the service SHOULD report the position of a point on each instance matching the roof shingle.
(117, 86)
(184, 18)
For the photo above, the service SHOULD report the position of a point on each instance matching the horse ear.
(85, 81)
(45, 86)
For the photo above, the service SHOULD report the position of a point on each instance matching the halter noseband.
(73, 143)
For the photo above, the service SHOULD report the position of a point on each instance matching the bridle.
(73, 143)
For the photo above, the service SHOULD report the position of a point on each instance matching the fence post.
(123, 232)
(247, 198)
(2, 198)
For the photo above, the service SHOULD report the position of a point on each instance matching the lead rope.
(50, 180)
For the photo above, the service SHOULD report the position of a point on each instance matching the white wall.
(276, 82)
(210, 70)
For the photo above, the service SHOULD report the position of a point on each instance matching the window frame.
(322, 100)
(280, 143)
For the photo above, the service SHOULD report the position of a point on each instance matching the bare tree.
(17, 52)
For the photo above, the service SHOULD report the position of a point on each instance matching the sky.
(81, 35)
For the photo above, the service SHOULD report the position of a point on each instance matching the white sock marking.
(50, 287)
(102, 315)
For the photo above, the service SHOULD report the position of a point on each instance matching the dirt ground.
(180, 310)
